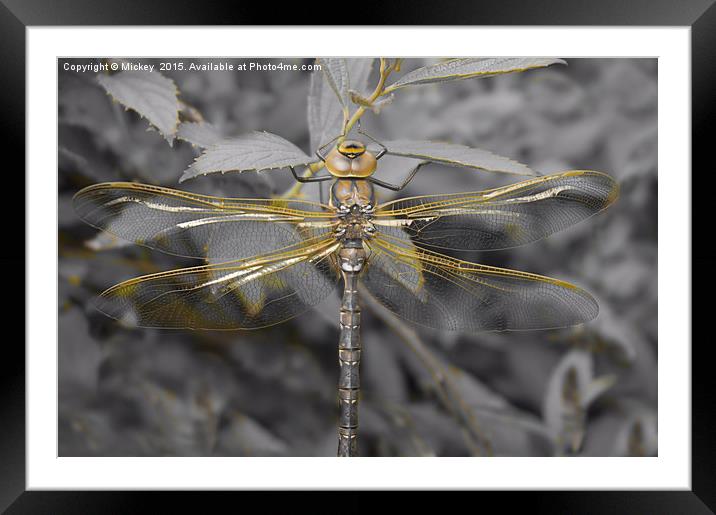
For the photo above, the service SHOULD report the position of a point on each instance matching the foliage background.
(583, 391)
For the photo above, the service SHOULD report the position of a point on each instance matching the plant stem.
(385, 71)
(295, 190)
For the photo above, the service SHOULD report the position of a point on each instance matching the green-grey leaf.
(150, 94)
(253, 151)
(336, 74)
(563, 407)
(325, 115)
(457, 69)
(456, 155)
(202, 135)
(358, 73)
(378, 105)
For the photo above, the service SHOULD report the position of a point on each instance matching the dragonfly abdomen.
(351, 258)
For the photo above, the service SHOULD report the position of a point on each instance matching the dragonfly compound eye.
(363, 165)
(351, 160)
(338, 164)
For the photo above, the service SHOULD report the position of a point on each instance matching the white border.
(670, 470)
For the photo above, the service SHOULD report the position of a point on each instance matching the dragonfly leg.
(321, 153)
(383, 148)
(309, 179)
(395, 187)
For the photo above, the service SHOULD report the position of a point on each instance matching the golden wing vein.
(458, 295)
(500, 218)
(239, 294)
(199, 226)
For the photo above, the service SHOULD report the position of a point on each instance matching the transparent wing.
(240, 294)
(500, 218)
(437, 291)
(190, 225)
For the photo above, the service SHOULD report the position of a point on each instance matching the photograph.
(357, 257)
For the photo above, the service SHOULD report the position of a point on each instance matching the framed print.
(489, 228)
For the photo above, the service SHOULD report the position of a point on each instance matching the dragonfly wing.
(441, 292)
(241, 294)
(190, 225)
(500, 218)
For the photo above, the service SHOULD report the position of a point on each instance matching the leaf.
(475, 392)
(325, 115)
(150, 94)
(572, 388)
(80, 357)
(358, 73)
(629, 430)
(378, 105)
(400, 426)
(244, 436)
(563, 409)
(253, 151)
(202, 135)
(458, 69)
(383, 371)
(456, 155)
(184, 424)
(336, 74)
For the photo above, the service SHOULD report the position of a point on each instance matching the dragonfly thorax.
(354, 222)
(349, 192)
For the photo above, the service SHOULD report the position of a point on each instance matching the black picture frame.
(700, 15)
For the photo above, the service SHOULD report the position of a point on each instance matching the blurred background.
(584, 391)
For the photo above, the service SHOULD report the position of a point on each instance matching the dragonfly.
(265, 261)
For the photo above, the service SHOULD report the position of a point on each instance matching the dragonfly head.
(351, 159)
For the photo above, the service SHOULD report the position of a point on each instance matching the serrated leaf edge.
(168, 137)
(461, 76)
